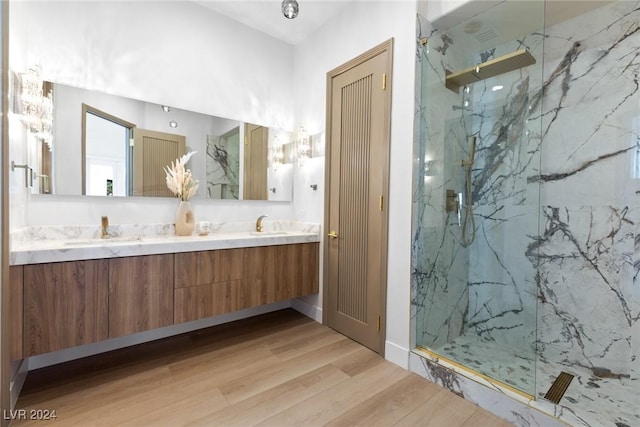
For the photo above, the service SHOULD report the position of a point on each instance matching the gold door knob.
(333, 235)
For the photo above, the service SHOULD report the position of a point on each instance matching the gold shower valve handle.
(333, 234)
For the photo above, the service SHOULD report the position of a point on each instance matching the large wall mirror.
(89, 52)
(126, 144)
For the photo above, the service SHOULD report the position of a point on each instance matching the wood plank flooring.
(278, 369)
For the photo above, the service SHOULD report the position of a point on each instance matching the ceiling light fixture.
(166, 108)
(173, 124)
(290, 8)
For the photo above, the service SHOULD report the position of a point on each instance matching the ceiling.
(266, 16)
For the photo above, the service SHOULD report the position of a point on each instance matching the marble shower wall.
(588, 246)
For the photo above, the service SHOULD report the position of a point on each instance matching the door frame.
(382, 47)
(88, 109)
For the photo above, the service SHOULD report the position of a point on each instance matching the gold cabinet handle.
(333, 235)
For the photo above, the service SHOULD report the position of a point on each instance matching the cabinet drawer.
(199, 302)
(207, 267)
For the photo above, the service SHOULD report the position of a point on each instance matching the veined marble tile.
(589, 400)
(590, 104)
(586, 277)
(500, 401)
(510, 365)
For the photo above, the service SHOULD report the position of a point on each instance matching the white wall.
(174, 53)
(356, 30)
(202, 78)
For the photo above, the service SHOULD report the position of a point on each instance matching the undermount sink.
(268, 233)
(99, 242)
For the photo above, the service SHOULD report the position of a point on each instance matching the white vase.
(185, 222)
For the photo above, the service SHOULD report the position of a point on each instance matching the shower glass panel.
(474, 274)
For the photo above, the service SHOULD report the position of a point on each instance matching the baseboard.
(307, 309)
(396, 354)
(19, 370)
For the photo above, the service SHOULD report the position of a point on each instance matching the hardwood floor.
(278, 369)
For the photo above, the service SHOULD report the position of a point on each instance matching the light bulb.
(290, 8)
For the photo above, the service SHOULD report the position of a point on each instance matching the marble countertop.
(38, 245)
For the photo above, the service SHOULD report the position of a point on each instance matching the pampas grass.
(179, 179)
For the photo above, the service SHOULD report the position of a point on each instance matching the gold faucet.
(259, 223)
(105, 227)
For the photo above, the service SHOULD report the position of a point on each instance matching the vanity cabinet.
(140, 294)
(65, 305)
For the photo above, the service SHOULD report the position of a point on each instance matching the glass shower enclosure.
(474, 272)
(526, 207)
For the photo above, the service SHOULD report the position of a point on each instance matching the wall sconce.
(276, 153)
(303, 146)
(28, 173)
(37, 108)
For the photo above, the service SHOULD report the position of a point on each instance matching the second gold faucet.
(105, 227)
(259, 227)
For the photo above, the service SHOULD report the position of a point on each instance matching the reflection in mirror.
(106, 152)
(223, 165)
(115, 146)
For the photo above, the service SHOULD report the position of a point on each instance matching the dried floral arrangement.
(179, 179)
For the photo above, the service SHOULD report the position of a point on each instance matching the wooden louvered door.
(359, 102)
(153, 151)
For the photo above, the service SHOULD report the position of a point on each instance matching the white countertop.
(73, 246)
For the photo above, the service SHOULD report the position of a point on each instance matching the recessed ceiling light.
(166, 108)
(173, 124)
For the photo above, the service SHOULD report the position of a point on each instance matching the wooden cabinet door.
(260, 266)
(140, 294)
(297, 270)
(65, 305)
(16, 309)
